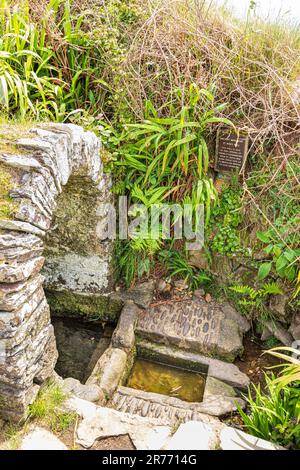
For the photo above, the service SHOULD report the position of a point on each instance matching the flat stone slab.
(234, 439)
(193, 435)
(99, 422)
(195, 325)
(41, 439)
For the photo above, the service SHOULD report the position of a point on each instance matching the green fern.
(245, 290)
(271, 288)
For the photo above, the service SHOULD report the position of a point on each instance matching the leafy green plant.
(225, 219)
(176, 143)
(178, 265)
(283, 245)
(290, 370)
(274, 414)
(134, 258)
(255, 300)
(168, 149)
(45, 65)
(226, 241)
(271, 342)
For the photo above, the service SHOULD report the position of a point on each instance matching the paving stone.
(41, 439)
(99, 422)
(193, 435)
(234, 439)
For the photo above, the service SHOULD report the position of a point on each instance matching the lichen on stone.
(8, 206)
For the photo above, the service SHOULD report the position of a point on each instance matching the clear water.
(167, 380)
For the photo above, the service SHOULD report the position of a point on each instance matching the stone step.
(170, 410)
(194, 325)
(136, 402)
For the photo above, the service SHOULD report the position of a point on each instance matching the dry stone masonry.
(57, 188)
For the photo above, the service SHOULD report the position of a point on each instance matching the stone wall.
(55, 186)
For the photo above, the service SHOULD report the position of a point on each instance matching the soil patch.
(253, 362)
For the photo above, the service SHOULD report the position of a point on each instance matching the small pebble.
(181, 284)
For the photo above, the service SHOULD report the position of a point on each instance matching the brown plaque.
(231, 150)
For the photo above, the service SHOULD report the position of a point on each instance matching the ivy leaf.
(264, 270)
(281, 263)
(268, 249)
(263, 237)
(277, 251)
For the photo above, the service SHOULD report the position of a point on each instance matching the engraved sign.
(231, 150)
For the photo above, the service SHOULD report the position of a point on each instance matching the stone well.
(51, 208)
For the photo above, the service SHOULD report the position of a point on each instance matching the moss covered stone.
(92, 307)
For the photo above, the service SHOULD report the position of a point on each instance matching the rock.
(265, 334)
(55, 377)
(41, 439)
(295, 332)
(222, 268)
(163, 286)
(98, 423)
(232, 314)
(220, 405)
(193, 435)
(199, 260)
(181, 284)
(215, 387)
(65, 303)
(295, 326)
(234, 439)
(199, 293)
(113, 371)
(141, 294)
(208, 298)
(123, 336)
(230, 342)
(279, 332)
(90, 392)
(278, 306)
(15, 271)
(109, 370)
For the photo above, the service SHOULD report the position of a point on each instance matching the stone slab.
(41, 439)
(234, 439)
(99, 422)
(193, 435)
(194, 325)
